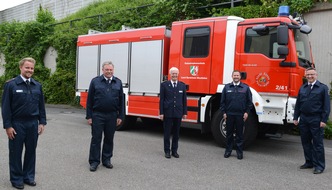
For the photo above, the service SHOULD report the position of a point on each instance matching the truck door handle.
(145, 37)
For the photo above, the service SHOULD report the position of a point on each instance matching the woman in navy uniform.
(172, 108)
(24, 118)
(313, 108)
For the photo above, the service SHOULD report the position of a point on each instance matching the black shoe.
(240, 156)
(316, 171)
(306, 166)
(30, 183)
(18, 186)
(227, 154)
(93, 168)
(167, 155)
(175, 155)
(108, 165)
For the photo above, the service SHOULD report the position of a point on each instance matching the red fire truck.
(271, 53)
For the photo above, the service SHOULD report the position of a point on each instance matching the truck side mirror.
(305, 29)
(283, 51)
(282, 35)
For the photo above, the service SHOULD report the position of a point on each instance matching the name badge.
(180, 91)
(19, 90)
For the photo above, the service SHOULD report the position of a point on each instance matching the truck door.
(195, 58)
(87, 66)
(259, 62)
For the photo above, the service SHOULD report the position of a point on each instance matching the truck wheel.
(218, 128)
(129, 121)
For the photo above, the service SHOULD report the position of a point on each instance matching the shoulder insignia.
(10, 80)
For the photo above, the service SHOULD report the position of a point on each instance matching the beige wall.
(321, 40)
(320, 19)
(2, 64)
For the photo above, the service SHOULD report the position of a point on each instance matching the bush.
(328, 130)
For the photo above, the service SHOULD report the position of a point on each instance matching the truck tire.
(129, 121)
(218, 129)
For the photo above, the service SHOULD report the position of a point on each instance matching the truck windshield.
(303, 49)
(266, 43)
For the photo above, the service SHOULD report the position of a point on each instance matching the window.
(303, 49)
(264, 43)
(196, 42)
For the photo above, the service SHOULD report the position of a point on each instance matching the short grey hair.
(173, 69)
(107, 63)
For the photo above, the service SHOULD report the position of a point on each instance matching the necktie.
(28, 86)
(108, 87)
(235, 88)
(174, 84)
(309, 88)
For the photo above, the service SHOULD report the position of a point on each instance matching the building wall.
(2, 64)
(321, 40)
(29, 10)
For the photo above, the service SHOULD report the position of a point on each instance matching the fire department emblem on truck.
(194, 70)
(262, 79)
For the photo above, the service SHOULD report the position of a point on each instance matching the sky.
(5, 4)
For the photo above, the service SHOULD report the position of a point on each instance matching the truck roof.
(209, 19)
(131, 35)
(241, 20)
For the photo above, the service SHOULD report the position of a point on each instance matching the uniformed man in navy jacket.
(313, 108)
(24, 118)
(104, 111)
(235, 105)
(172, 108)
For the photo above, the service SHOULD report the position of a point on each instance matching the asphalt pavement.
(139, 162)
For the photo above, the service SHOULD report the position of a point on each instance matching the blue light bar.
(283, 11)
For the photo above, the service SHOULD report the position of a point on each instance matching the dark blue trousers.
(27, 136)
(171, 125)
(102, 123)
(234, 122)
(312, 136)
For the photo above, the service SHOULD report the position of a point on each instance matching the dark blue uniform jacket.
(21, 104)
(103, 97)
(317, 102)
(173, 101)
(236, 103)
